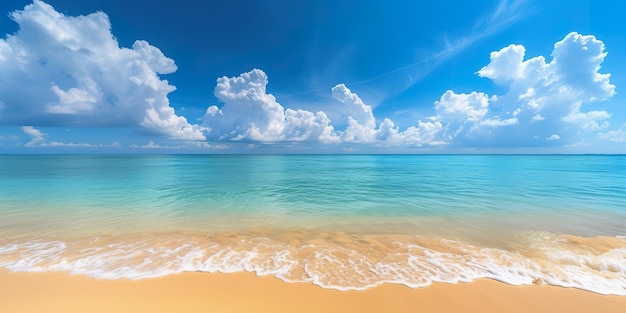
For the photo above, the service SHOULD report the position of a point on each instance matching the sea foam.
(334, 260)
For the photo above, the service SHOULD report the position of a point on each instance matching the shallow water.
(343, 222)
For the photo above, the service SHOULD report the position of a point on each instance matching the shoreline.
(246, 292)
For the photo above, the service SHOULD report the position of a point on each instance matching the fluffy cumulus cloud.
(249, 113)
(362, 124)
(60, 70)
(547, 103)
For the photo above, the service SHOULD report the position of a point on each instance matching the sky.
(312, 76)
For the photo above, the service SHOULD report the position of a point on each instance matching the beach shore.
(245, 292)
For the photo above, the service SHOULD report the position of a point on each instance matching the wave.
(336, 260)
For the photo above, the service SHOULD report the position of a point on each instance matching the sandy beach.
(245, 292)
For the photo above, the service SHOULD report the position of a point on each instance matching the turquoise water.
(501, 202)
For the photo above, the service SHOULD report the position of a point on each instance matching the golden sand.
(245, 292)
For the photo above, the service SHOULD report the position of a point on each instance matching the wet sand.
(245, 292)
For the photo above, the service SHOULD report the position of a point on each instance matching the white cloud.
(36, 134)
(537, 117)
(74, 100)
(362, 124)
(543, 98)
(462, 107)
(497, 122)
(154, 58)
(70, 71)
(554, 137)
(60, 70)
(543, 102)
(592, 120)
(149, 145)
(57, 144)
(426, 133)
(507, 65)
(461, 115)
(38, 140)
(613, 135)
(577, 59)
(361, 121)
(302, 125)
(358, 111)
(249, 113)
(183, 145)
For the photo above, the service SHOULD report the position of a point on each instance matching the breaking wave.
(334, 260)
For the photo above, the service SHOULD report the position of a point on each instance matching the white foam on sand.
(342, 261)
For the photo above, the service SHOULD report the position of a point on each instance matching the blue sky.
(312, 77)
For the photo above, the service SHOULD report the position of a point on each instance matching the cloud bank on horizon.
(71, 72)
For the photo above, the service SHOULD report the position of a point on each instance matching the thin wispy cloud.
(506, 13)
(36, 135)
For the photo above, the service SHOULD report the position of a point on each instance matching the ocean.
(339, 221)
